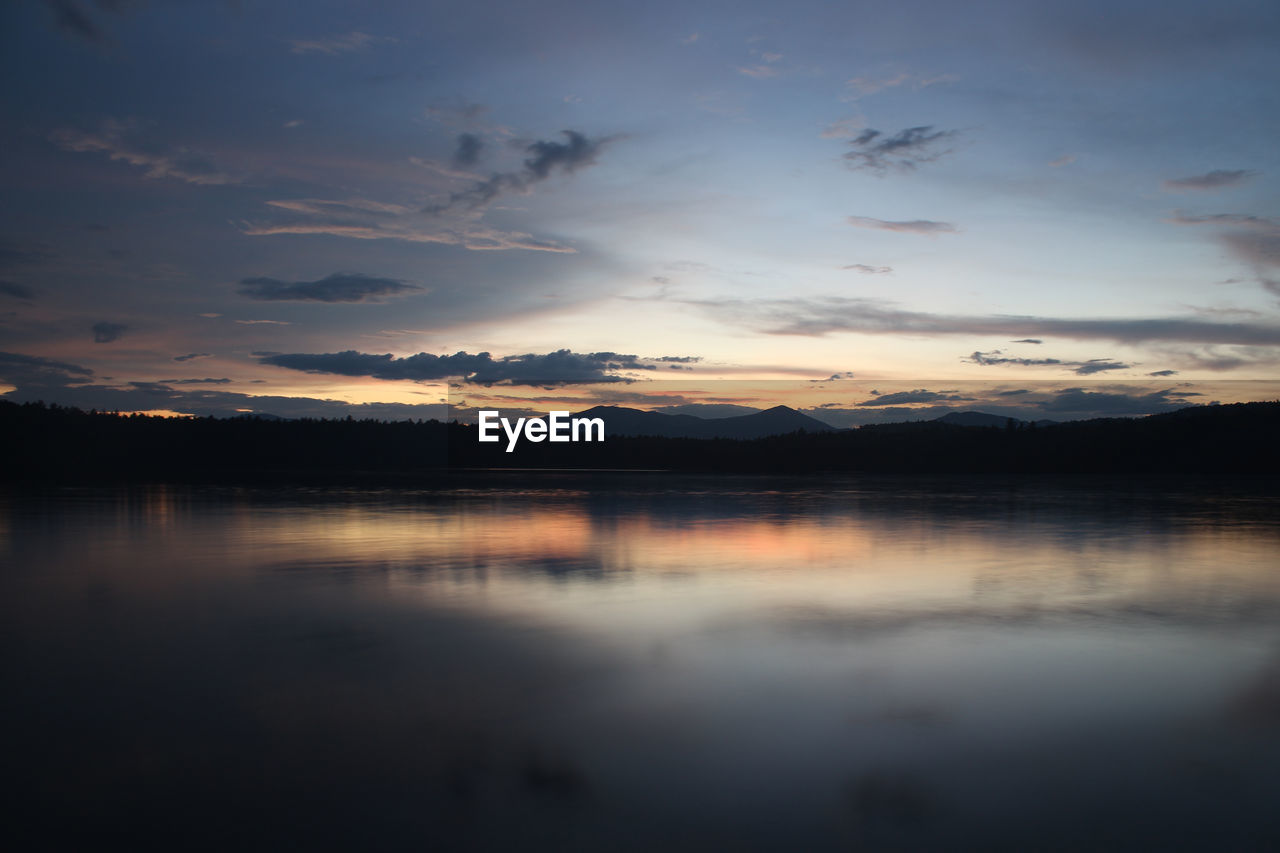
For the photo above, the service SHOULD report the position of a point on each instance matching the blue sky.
(245, 206)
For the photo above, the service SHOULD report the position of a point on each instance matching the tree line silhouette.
(53, 443)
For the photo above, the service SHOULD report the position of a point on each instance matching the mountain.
(982, 419)
(975, 419)
(779, 420)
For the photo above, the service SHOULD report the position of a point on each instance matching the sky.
(872, 210)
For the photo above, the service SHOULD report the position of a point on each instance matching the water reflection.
(674, 663)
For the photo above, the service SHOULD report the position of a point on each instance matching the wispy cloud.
(336, 45)
(873, 151)
(1215, 180)
(364, 219)
(339, 287)
(73, 17)
(909, 226)
(118, 140)
(867, 269)
(862, 86)
(1255, 240)
(1081, 368)
(817, 317)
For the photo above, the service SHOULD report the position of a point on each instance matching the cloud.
(105, 333)
(17, 291)
(1098, 365)
(468, 151)
(264, 322)
(1255, 240)
(115, 139)
(19, 370)
(911, 226)
(192, 356)
(339, 287)
(758, 72)
(1083, 368)
(1027, 341)
(12, 255)
(561, 367)
(194, 382)
(903, 151)
(1217, 179)
(816, 317)
(861, 87)
(335, 45)
(364, 219)
(867, 269)
(1064, 160)
(918, 395)
(73, 19)
(1072, 401)
(1163, 373)
(544, 158)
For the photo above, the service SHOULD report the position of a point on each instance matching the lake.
(643, 662)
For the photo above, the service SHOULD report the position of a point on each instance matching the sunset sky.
(332, 208)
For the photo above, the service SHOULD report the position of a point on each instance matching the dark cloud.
(568, 156)
(71, 18)
(192, 356)
(1217, 179)
(1017, 392)
(903, 151)
(1163, 373)
(1098, 365)
(545, 158)
(919, 395)
(105, 333)
(561, 367)
(1083, 368)
(816, 317)
(17, 291)
(1072, 401)
(197, 381)
(21, 370)
(339, 287)
(468, 151)
(1027, 341)
(997, 357)
(678, 359)
(910, 226)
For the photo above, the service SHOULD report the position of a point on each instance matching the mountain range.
(780, 420)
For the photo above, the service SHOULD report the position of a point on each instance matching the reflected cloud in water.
(647, 662)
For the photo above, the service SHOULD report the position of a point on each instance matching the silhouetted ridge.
(58, 444)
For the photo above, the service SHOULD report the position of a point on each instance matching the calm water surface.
(644, 663)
